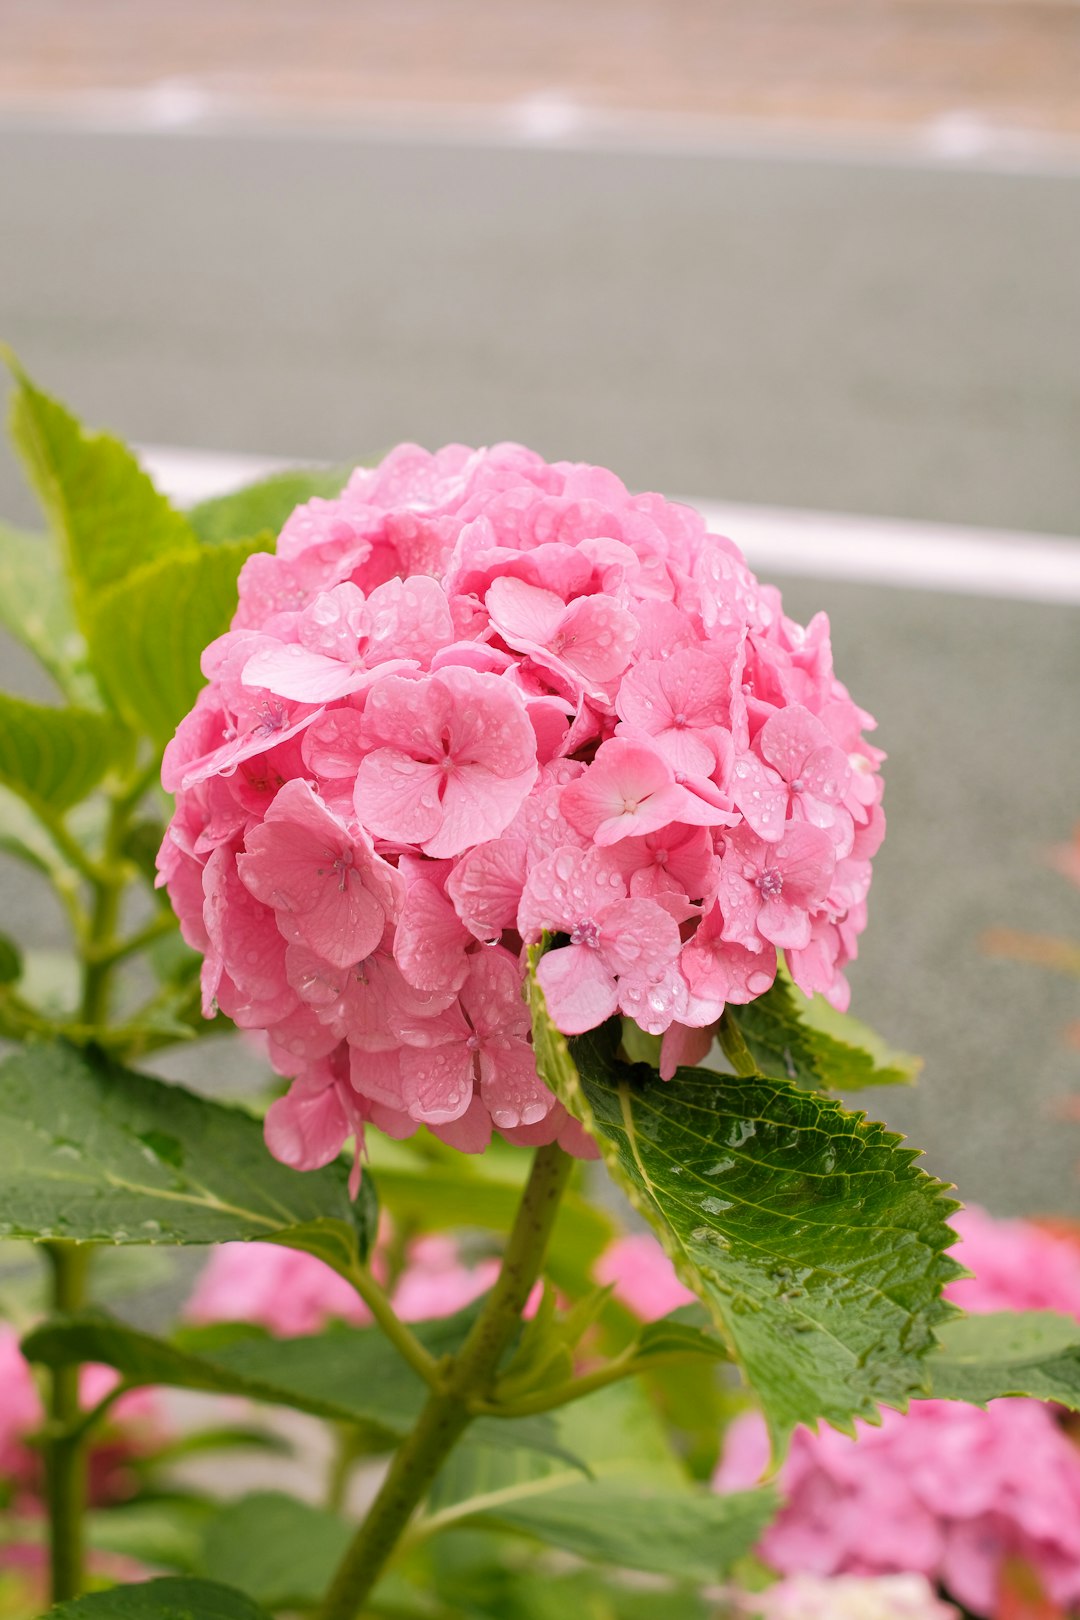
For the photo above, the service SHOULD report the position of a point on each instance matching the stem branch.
(65, 1460)
(466, 1379)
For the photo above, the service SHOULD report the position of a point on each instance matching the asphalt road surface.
(882, 338)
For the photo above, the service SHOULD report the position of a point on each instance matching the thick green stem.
(467, 1379)
(65, 1457)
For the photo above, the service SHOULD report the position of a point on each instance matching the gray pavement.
(874, 338)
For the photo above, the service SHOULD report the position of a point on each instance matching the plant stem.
(466, 1379)
(108, 886)
(403, 1339)
(65, 1470)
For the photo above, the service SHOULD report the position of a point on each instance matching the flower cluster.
(474, 699)
(948, 1491)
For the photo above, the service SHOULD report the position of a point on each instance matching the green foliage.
(53, 758)
(806, 1041)
(148, 630)
(173, 1597)
(96, 1153)
(814, 1239)
(346, 1374)
(453, 1190)
(281, 1551)
(161, 1532)
(263, 505)
(1008, 1353)
(104, 509)
(35, 608)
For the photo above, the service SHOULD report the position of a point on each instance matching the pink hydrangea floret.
(849, 1597)
(476, 699)
(956, 1494)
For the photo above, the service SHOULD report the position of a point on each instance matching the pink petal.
(579, 988)
(430, 940)
(595, 638)
(437, 1082)
(307, 1127)
(566, 888)
(334, 892)
(510, 1086)
(485, 886)
(407, 618)
(494, 996)
(761, 795)
(398, 798)
(524, 615)
(477, 805)
(638, 936)
(332, 746)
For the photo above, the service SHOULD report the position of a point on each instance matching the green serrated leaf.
(96, 1153)
(55, 757)
(793, 1037)
(173, 1597)
(147, 631)
(103, 507)
(817, 1244)
(264, 505)
(36, 608)
(1034, 1353)
(281, 1551)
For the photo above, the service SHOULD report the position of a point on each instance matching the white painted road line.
(781, 540)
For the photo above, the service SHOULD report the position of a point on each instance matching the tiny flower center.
(447, 763)
(798, 786)
(587, 933)
(473, 1043)
(341, 866)
(770, 883)
(678, 720)
(661, 857)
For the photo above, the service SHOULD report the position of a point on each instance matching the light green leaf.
(817, 1244)
(97, 1153)
(680, 1333)
(173, 1597)
(346, 1374)
(104, 509)
(55, 757)
(36, 608)
(264, 505)
(161, 1532)
(693, 1535)
(147, 632)
(1033, 1353)
(794, 1038)
(281, 1551)
(441, 1194)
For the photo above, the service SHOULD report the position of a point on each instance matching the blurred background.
(815, 265)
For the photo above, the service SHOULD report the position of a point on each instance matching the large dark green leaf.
(349, 1375)
(793, 1038)
(816, 1242)
(36, 608)
(104, 509)
(264, 505)
(55, 757)
(281, 1551)
(97, 1153)
(1008, 1353)
(147, 632)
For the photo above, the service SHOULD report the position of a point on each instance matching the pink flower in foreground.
(466, 669)
(619, 948)
(947, 1491)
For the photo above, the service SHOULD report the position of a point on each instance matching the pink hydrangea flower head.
(951, 1492)
(475, 698)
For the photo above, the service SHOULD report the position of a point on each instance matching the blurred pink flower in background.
(643, 1277)
(292, 1294)
(850, 1597)
(947, 1490)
